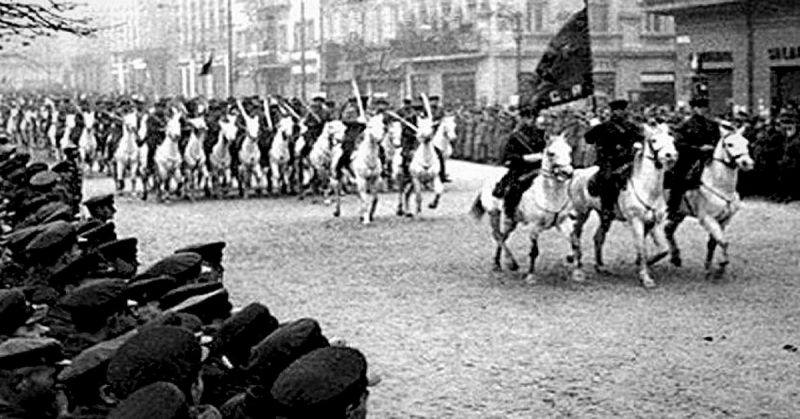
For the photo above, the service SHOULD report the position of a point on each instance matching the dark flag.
(206, 68)
(564, 73)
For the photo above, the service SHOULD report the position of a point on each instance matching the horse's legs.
(640, 241)
(716, 237)
(337, 197)
(362, 186)
(674, 251)
(599, 241)
(659, 239)
(530, 279)
(418, 193)
(438, 189)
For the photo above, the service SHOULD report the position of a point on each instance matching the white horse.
(69, 125)
(545, 205)
(445, 135)
(168, 157)
(367, 167)
(320, 157)
(641, 204)
(194, 157)
(716, 201)
(249, 154)
(424, 169)
(126, 155)
(52, 130)
(87, 143)
(279, 156)
(220, 158)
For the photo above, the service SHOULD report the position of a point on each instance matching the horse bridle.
(649, 143)
(731, 159)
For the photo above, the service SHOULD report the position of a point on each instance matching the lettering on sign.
(716, 57)
(784, 53)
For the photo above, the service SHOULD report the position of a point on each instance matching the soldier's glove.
(637, 146)
(707, 148)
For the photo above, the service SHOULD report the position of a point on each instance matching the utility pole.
(303, 50)
(518, 39)
(230, 49)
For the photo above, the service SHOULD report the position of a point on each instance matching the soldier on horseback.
(438, 114)
(615, 142)
(354, 126)
(695, 140)
(522, 154)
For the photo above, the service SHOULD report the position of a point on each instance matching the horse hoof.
(513, 267)
(530, 279)
(497, 268)
(676, 261)
(336, 214)
(657, 258)
(409, 215)
(400, 212)
(648, 283)
(433, 205)
(602, 270)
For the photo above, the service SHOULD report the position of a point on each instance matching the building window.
(535, 16)
(599, 16)
(654, 23)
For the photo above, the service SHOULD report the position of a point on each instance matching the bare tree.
(23, 21)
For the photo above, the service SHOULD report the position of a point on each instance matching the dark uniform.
(525, 139)
(695, 141)
(614, 141)
(408, 138)
(353, 128)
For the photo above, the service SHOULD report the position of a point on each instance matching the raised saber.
(358, 99)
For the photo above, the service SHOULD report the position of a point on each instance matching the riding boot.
(608, 202)
(503, 184)
(512, 197)
(442, 173)
(674, 201)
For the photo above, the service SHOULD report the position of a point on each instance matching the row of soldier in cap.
(148, 337)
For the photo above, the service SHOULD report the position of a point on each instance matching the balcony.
(667, 6)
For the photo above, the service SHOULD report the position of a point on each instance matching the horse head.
(557, 159)
(228, 130)
(251, 126)
(448, 127)
(733, 149)
(660, 145)
(376, 129)
(286, 127)
(425, 129)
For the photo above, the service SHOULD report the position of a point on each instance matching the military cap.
(319, 98)
(162, 353)
(159, 400)
(381, 101)
(29, 352)
(70, 148)
(210, 252)
(35, 167)
(101, 234)
(93, 360)
(61, 167)
(699, 102)
(44, 180)
(17, 240)
(186, 321)
(61, 212)
(91, 303)
(322, 383)
(330, 103)
(184, 292)
(54, 239)
(242, 331)
(208, 307)
(13, 310)
(151, 289)
(618, 105)
(434, 98)
(282, 347)
(75, 271)
(99, 200)
(125, 249)
(185, 267)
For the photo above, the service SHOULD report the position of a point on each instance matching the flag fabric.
(564, 73)
(206, 68)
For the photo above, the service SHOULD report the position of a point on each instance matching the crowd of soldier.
(86, 333)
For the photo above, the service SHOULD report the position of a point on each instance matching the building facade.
(746, 51)
(470, 51)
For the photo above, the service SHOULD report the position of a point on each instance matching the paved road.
(453, 340)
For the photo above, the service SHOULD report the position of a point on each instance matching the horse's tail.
(478, 210)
